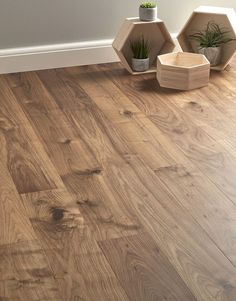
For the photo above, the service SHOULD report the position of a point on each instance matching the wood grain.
(21, 150)
(143, 270)
(57, 135)
(91, 187)
(205, 204)
(25, 273)
(78, 264)
(126, 189)
(24, 270)
(82, 174)
(193, 141)
(122, 177)
(15, 225)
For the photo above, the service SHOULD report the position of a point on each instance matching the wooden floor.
(112, 188)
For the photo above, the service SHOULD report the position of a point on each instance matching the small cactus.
(148, 5)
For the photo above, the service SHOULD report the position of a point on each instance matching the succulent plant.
(148, 5)
(140, 48)
(212, 36)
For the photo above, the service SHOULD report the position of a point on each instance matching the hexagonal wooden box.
(225, 17)
(183, 70)
(155, 32)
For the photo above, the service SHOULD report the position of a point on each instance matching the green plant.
(148, 5)
(212, 36)
(140, 48)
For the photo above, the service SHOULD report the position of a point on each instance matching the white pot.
(213, 54)
(140, 65)
(147, 14)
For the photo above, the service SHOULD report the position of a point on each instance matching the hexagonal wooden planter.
(183, 70)
(155, 32)
(225, 17)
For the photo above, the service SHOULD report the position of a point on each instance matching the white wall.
(176, 12)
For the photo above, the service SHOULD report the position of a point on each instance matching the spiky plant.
(140, 48)
(148, 5)
(212, 36)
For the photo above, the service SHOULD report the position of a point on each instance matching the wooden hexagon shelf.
(225, 17)
(155, 32)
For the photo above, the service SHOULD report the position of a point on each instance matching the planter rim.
(216, 47)
(134, 58)
(148, 7)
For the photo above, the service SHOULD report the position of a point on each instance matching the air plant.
(212, 36)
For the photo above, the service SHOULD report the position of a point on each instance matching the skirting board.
(57, 56)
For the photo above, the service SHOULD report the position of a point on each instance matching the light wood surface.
(113, 188)
(183, 70)
(224, 17)
(155, 32)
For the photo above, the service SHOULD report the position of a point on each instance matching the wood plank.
(20, 149)
(208, 206)
(25, 273)
(60, 139)
(74, 267)
(193, 199)
(140, 184)
(143, 270)
(222, 92)
(122, 112)
(118, 163)
(53, 211)
(24, 270)
(105, 211)
(183, 180)
(185, 243)
(131, 124)
(208, 116)
(15, 225)
(211, 158)
(205, 114)
(78, 264)
(63, 142)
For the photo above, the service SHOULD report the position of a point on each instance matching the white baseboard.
(57, 56)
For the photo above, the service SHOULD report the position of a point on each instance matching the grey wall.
(176, 12)
(41, 22)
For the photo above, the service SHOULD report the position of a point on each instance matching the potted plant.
(148, 11)
(210, 41)
(140, 49)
